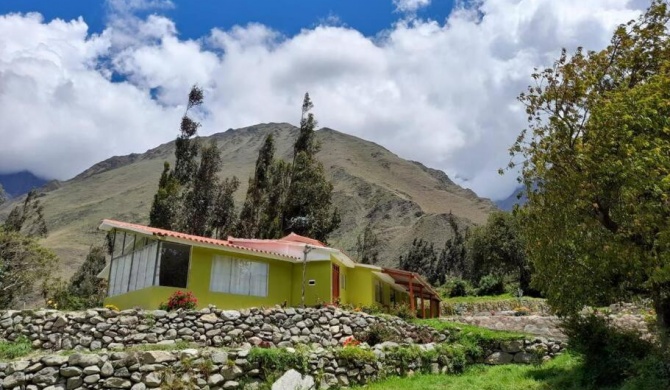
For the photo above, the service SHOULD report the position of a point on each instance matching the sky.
(434, 81)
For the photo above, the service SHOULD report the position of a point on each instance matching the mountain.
(20, 183)
(508, 203)
(403, 199)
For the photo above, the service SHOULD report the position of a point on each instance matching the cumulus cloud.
(440, 92)
(410, 5)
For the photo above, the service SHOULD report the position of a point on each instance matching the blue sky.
(195, 18)
(438, 86)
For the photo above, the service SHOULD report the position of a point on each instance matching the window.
(241, 277)
(139, 262)
(174, 260)
(393, 298)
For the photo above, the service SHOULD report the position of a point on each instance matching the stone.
(231, 385)
(293, 380)
(231, 372)
(68, 372)
(54, 360)
(106, 370)
(117, 383)
(151, 357)
(215, 380)
(46, 376)
(512, 346)
(138, 386)
(523, 357)
(60, 322)
(152, 380)
(73, 383)
(209, 318)
(230, 315)
(90, 370)
(219, 357)
(499, 358)
(91, 379)
(15, 380)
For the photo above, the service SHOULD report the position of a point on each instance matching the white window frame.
(227, 270)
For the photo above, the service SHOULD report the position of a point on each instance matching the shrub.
(490, 285)
(610, 355)
(355, 355)
(403, 311)
(459, 288)
(180, 300)
(378, 333)
(521, 311)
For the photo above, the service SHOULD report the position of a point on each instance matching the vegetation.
(84, 290)
(3, 195)
(367, 246)
(23, 263)
(28, 218)
(180, 300)
(14, 349)
(596, 163)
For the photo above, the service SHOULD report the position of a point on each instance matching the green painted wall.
(321, 272)
(279, 286)
(361, 289)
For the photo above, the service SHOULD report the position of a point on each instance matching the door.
(336, 283)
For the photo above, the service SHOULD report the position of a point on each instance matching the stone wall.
(237, 368)
(277, 327)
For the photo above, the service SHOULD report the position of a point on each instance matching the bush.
(180, 300)
(13, 349)
(377, 333)
(610, 355)
(490, 285)
(459, 288)
(403, 311)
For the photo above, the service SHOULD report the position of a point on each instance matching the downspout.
(305, 251)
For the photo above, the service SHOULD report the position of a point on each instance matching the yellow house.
(149, 264)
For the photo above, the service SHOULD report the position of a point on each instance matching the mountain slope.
(402, 199)
(508, 203)
(20, 183)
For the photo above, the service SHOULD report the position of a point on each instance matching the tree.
(166, 202)
(3, 195)
(202, 193)
(271, 225)
(307, 210)
(28, 218)
(249, 224)
(186, 148)
(367, 246)
(224, 217)
(23, 262)
(597, 147)
(496, 248)
(420, 258)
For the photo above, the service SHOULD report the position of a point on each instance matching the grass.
(562, 373)
(471, 330)
(10, 350)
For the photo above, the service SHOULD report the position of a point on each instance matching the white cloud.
(441, 92)
(410, 5)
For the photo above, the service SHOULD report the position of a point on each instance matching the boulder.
(293, 380)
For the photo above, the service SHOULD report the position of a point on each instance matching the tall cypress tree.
(166, 201)
(249, 224)
(271, 225)
(223, 214)
(367, 246)
(200, 198)
(186, 148)
(307, 210)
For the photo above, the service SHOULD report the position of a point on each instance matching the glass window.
(237, 276)
(174, 262)
(378, 291)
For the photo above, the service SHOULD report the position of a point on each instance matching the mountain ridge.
(402, 199)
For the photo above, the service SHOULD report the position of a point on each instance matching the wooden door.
(336, 283)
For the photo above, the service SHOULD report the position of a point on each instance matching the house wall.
(280, 280)
(360, 286)
(321, 272)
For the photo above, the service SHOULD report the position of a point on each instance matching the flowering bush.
(350, 342)
(112, 307)
(180, 300)
(521, 311)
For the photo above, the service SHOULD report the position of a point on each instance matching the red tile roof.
(302, 239)
(189, 237)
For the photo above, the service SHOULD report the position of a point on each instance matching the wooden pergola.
(418, 288)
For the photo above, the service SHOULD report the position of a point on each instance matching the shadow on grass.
(559, 377)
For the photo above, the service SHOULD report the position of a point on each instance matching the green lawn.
(471, 330)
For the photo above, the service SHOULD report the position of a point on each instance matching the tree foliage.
(84, 290)
(28, 218)
(3, 195)
(23, 263)
(191, 198)
(496, 248)
(597, 148)
(258, 192)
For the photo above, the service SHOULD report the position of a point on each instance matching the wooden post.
(423, 308)
(411, 295)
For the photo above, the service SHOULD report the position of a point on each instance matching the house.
(149, 264)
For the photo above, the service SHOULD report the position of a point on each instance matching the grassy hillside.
(403, 199)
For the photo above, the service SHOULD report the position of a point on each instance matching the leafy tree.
(496, 248)
(272, 216)
(597, 147)
(85, 290)
(249, 224)
(202, 194)
(223, 215)
(28, 218)
(166, 202)
(453, 258)
(307, 210)
(367, 246)
(420, 258)
(23, 262)
(186, 148)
